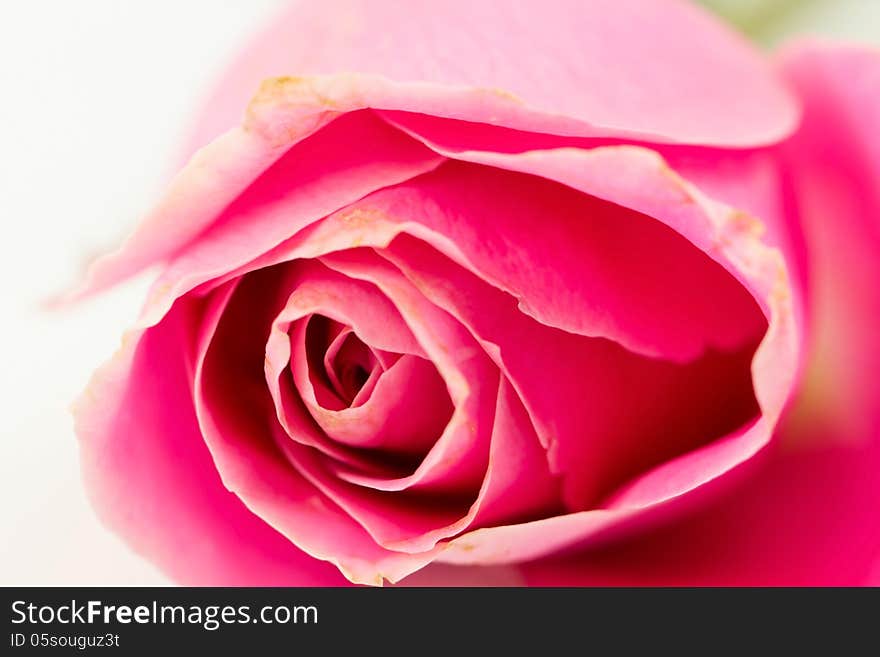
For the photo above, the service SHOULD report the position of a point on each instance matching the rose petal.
(235, 415)
(773, 369)
(644, 73)
(431, 509)
(644, 182)
(152, 480)
(660, 71)
(752, 181)
(809, 517)
(606, 415)
(405, 415)
(316, 289)
(517, 485)
(241, 195)
(573, 261)
(458, 459)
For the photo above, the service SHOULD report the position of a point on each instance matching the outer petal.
(247, 191)
(811, 515)
(152, 480)
(605, 70)
(660, 70)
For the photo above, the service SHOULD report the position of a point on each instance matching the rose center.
(347, 368)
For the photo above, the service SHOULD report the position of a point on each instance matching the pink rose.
(491, 284)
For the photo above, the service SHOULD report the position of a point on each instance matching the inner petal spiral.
(351, 365)
(343, 369)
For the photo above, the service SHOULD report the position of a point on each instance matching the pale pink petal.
(243, 194)
(659, 70)
(694, 81)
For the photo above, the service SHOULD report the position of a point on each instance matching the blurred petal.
(811, 514)
(661, 71)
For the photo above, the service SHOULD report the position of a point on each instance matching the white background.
(94, 97)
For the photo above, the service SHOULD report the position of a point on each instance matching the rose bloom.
(499, 293)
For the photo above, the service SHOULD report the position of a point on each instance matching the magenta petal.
(441, 574)
(772, 371)
(346, 353)
(300, 426)
(641, 180)
(235, 415)
(804, 519)
(598, 390)
(517, 484)
(416, 519)
(405, 415)
(382, 421)
(311, 287)
(596, 269)
(518, 481)
(751, 181)
(457, 461)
